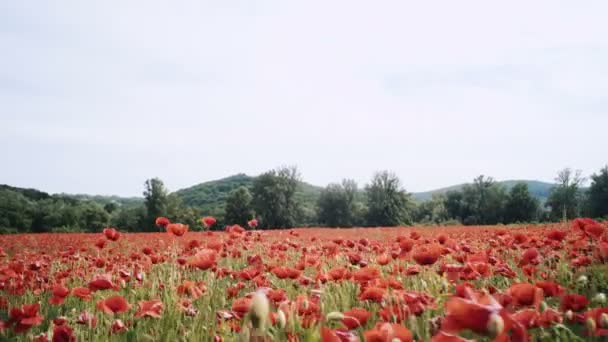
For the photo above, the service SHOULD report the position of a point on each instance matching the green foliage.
(156, 201)
(597, 195)
(521, 206)
(482, 202)
(337, 206)
(433, 211)
(388, 204)
(274, 198)
(565, 199)
(238, 207)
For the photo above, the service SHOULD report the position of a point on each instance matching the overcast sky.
(96, 97)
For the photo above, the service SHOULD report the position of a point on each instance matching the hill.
(538, 189)
(211, 196)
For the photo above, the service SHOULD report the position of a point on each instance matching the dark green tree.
(238, 207)
(274, 197)
(156, 201)
(388, 204)
(521, 206)
(336, 204)
(432, 211)
(597, 195)
(565, 198)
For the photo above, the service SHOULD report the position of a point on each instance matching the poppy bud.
(582, 280)
(604, 320)
(569, 315)
(495, 324)
(600, 298)
(590, 324)
(543, 306)
(259, 310)
(282, 319)
(335, 316)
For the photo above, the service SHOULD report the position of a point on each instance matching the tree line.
(272, 200)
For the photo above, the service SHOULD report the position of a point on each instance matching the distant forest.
(280, 199)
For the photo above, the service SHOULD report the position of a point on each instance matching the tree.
(336, 204)
(432, 211)
(597, 195)
(521, 206)
(274, 197)
(238, 207)
(482, 202)
(155, 195)
(388, 204)
(564, 200)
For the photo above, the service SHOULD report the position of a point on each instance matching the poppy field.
(441, 284)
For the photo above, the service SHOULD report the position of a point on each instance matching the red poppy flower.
(162, 221)
(426, 255)
(113, 304)
(366, 274)
(283, 272)
(25, 317)
(574, 302)
(374, 294)
(63, 333)
(118, 326)
(102, 282)
(88, 319)
(253, 223)
(111, 234)
(355, 317)
(208, 221)
(203, 260)
(59, 293)
(525, 294)
(150, 308)
(177, 229)
(385, 332)
(82, 293)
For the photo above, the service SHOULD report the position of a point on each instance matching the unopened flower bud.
(569, 315)
(604, 320)
(600, 298)
(582, 280)
(590, 324)
(495, 324)
(335, 316)
(259, 310)
(282, 319)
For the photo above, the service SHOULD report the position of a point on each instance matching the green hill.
(211, 196)
(538, 189)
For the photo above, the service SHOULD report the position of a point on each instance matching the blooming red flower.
(203, 260)
(374, 294)
(25, 317)
(113, 304)
(59, 293)
(63, 333)
(355, 318)
(82, 293)
(384, 332)
(574, 302)
(208, 221)
(253, 223)
(102, 282)
(162, 221)
(150, 308)
(111, 234)
(177, 229)
(426, 255)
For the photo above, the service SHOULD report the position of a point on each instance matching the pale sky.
(98, 96)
